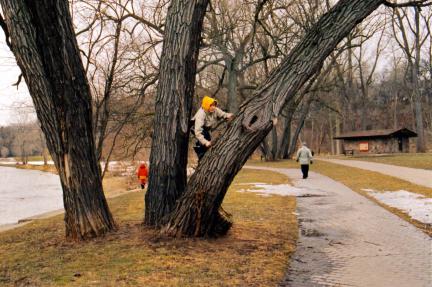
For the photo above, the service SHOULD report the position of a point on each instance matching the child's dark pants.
(199, 148)
(305, 170)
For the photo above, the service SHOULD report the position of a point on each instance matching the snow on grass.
(282, 190)
(415, 205)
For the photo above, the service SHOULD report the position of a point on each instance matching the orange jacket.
(142, 173)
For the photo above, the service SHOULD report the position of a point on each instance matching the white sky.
(10, 96)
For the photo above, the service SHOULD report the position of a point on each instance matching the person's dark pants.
(305, 170)
(142, 185)
(199, 148)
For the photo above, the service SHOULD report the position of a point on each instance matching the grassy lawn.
(254, 253)
(414, 160)
(46, 168)
(358, 179)
(33, 158)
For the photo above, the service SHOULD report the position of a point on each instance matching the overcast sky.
(10, 96)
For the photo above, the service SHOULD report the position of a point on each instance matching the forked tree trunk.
(197, 211)
(286, 137)
(44, 44)
(175, 90)
(274, 143)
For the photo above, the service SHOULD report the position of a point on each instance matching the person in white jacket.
(206, 119)
(304, 156)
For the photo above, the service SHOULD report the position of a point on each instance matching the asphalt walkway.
(348, 240)
(414, 175)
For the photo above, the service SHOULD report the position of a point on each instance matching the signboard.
(364, 146)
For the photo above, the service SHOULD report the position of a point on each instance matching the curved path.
(347, 240)
(414, 175)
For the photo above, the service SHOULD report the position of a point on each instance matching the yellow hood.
(207, 102)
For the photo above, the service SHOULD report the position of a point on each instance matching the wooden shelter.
(376, 141)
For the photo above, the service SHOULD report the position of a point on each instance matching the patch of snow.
(415, 205)
(282, 190)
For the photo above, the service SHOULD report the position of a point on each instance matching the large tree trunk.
(274, 137)
(232, 88)
(338, 133)
(46, 50)
(265, 150)
(175, 91)
(421, 142)
(331, 133)
(197, 211)
(286, 137)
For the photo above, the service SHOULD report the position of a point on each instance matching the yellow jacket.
(205, 118)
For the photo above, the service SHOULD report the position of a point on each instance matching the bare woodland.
(116, 77)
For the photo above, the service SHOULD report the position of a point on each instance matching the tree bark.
(232, 88)
(331, 133)
(286, 135)
(338, 133)
(421, 143)
(168, 159)
(274, 143)
(44, 44)
(197, 211)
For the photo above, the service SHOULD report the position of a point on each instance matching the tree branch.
(420, 3)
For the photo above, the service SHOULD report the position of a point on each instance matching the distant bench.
(349, 152)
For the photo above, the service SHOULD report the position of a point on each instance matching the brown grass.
(46, 168)
(254, 253)
(413, 160)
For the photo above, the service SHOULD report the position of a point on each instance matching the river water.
(25, 193)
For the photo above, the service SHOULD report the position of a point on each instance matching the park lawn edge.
(411, 160)
(255, 252)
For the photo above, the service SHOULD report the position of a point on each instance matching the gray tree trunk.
(233, 105)
(44, 45)
(286, 137)
(197, 211)
(338, 132)
(331, 134)
(421, 143)
(168, 159)
(274, 142)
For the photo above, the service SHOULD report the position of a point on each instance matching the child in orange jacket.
(142, 174)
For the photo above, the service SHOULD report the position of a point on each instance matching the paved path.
(347, 240)
(414, 175)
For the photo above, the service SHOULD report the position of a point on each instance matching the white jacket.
(304, 155)
(207, 119)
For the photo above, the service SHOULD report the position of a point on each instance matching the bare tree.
(197, 211)
(168, 159)
(411, 36)
(119, 47)
(45, 47)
